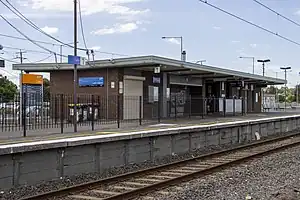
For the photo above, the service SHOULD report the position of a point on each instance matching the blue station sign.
(74, 60)
(91, 82)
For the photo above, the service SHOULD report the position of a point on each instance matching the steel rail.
(162, 184)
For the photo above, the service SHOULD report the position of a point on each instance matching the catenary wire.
(270, 9)
(26, 35)
(81, 25)
(29, 22)
(251, 23)
(29, 38)
(8, 60)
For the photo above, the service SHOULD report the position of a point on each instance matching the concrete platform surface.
(44, 135)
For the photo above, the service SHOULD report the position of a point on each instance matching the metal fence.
(98, 112)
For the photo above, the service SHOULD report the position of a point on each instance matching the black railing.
(100, 113)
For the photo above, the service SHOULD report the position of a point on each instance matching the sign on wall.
(91, 82)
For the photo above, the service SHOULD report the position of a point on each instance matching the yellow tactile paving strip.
(65, 136)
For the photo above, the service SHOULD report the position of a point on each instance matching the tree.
(46, 90)
(8, 89)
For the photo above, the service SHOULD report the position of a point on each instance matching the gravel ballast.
(272, 177)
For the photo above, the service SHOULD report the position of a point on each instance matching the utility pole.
(21, 57)
(285, 69)
(253, 58)
(75, 66)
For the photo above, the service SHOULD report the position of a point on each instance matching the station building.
(158, 80)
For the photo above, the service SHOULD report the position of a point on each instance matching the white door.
(133, 89)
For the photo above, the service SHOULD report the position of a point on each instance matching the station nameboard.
(32, 79)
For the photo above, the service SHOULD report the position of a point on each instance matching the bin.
(78, 114)
(90, 112)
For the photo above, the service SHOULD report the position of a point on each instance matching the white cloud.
(235, 41)
(253, 45)
(88, 7)
(117, 28)
(50, 30)
(297, 12)
(217, 28)
(96, 48)
(173, 40)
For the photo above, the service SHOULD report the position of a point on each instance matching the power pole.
(285, 80)
(21, 56)
(75, 66)
(21, 117)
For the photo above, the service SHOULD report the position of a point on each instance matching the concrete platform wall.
(33, 166)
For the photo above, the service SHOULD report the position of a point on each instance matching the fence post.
(93, 112)
(24, 114)
(175, 105)
(158, 108)
(242, 106)
(61, 113)
(203, 107)
(140, 110)
(118, 110)
(224, 107)
(190, 107)
(233, 106)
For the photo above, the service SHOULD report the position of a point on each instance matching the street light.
(181, 43)
(252, 61)
(285, 69)
(263, 64)
(200, 61)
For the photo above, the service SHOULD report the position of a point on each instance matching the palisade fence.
(98, 112)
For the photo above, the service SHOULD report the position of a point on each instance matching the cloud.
(88, 7)
(117, 28)
(217, 28)
(173, 40)
(297, 12)
(96, 48)
(253, 45)
(50, 30)
(235, 41)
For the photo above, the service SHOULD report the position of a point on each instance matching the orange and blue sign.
(32, 79)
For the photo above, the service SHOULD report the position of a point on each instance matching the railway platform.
(108, 129)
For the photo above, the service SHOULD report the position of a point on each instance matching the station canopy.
(149, 63)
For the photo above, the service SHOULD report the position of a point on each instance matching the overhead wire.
(24, 35)
(30, 23)
(251, 23)
(81, 25)
(43, 59)
(278, 14)
(8, 60)
(33, 25)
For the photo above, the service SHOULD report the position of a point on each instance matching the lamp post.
(245, 57)
(200, 61)
(285, 69)
(181, 42)
(263, 64)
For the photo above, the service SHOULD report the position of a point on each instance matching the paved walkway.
(54, 133)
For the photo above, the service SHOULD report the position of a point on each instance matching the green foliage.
(280, 93)
(46, 90)
(8, 89)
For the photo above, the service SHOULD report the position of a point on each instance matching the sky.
(136, 27)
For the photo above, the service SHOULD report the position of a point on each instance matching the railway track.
(142, 183)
